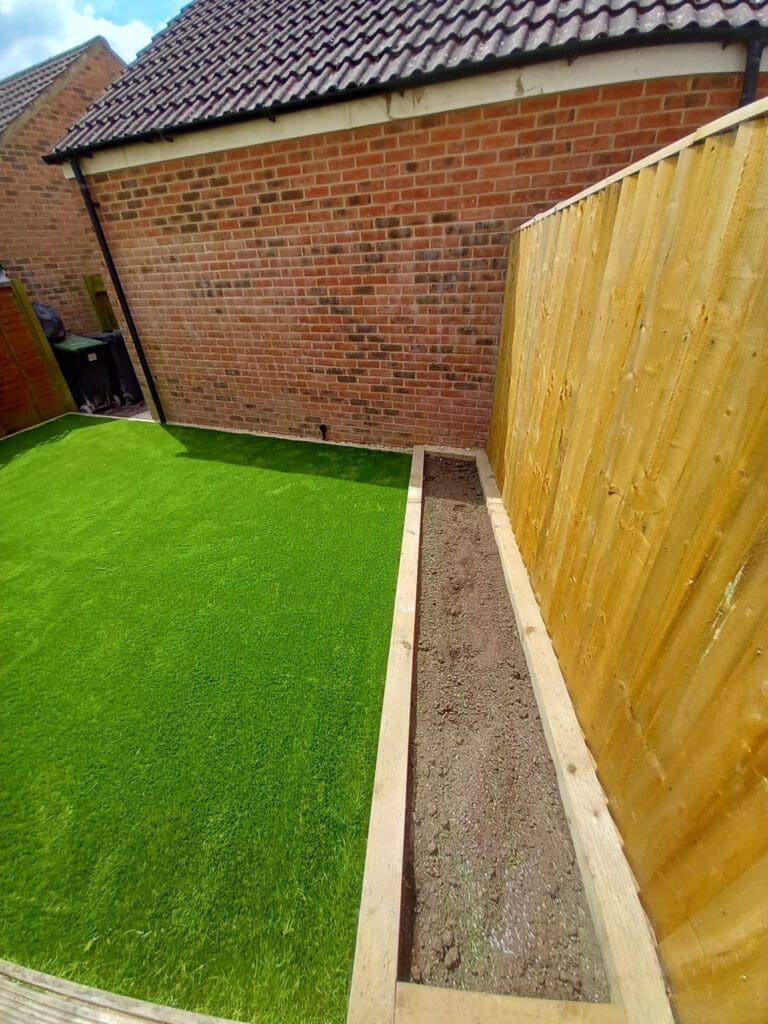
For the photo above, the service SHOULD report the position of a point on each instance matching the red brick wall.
(28, 393)
(356, 278)
(45, 237)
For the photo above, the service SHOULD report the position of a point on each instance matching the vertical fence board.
(32, 388)
(629, 438)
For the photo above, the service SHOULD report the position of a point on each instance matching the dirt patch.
(494, 898)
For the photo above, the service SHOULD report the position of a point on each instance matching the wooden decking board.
(20, 1004)
(24, 992)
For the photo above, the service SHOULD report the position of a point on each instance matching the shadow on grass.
(14, 445)
(361, 465)
(379, 468)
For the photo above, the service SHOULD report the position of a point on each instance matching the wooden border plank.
(423, 1004)
(627, 941)
(374, 974)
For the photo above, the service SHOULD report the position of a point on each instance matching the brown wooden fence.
(31, 386)
(630, 440)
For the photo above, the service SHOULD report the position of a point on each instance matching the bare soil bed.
(494, 898)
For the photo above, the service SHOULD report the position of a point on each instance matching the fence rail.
(630, 440)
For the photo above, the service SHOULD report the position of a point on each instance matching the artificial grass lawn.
(193, 638)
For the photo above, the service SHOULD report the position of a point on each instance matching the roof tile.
(227, 58)
(19, 91)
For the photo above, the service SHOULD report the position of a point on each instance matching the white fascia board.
(497, 87)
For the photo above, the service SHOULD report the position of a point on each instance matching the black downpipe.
(751, 71)
(90, 206)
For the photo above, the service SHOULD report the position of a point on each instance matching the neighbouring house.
(309, 205)
(46, 240)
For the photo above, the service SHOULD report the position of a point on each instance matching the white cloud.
(32, 30)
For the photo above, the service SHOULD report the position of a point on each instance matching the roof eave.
(724, 34)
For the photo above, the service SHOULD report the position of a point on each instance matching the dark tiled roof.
(20, 90)
(224, 58)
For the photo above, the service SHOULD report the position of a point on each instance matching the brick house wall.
(355, 279)
(29, 392)
(46, 239)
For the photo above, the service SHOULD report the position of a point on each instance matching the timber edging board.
(626, 939)
(421, 1004)
(374, 973)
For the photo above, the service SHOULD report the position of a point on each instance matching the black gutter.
(569, 52)
(755, 49)
(90, 206)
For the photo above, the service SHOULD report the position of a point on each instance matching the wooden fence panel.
(629, 438)
(31, 386)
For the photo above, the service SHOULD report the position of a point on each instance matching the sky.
(32, 30)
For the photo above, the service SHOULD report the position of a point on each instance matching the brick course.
(46, 239)
(355, 279)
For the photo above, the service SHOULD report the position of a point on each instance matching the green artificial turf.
(193, 640)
